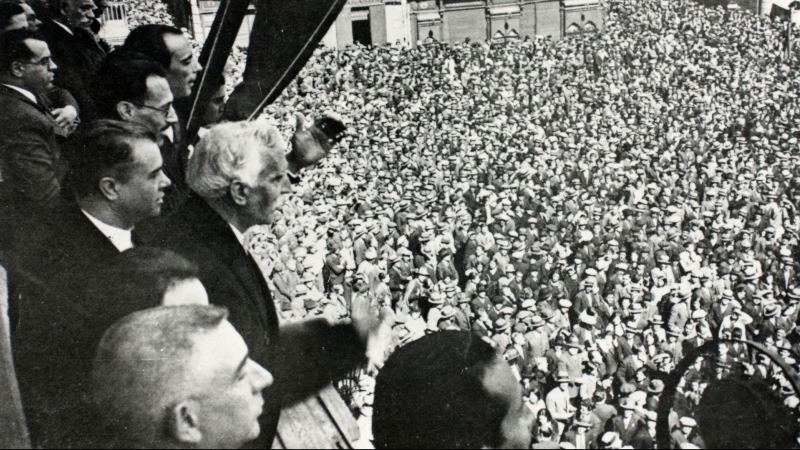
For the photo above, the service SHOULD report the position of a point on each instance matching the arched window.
(573, 29)
(590, 27)
(513, 34)
(499, 36)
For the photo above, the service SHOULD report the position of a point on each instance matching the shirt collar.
(239, 235)
(66, 28)
(122, 239)
(28, 94)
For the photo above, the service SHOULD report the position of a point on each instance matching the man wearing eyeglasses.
(31, 168)
(135, 89)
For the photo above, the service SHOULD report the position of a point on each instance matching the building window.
(573, 29)
(590, 27)
(115, 11)
(430, 39)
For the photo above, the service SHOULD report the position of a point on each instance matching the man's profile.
(177, 376)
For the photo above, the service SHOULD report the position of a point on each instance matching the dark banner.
(285, 35)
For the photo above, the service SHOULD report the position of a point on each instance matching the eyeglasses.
(164, 110)
(44, 62)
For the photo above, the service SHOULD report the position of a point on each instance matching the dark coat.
(78, 57)
(627, 434)
(31, 167)
(304, 357)
(55, 330)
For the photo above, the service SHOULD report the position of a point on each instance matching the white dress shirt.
(122, 239)
(239, 237)
(66, 28)
(28, 94)
(580, 440)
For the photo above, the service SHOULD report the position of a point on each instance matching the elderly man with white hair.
(239, 176)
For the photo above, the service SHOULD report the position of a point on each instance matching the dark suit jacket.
(626, 371)
(569, 436)
(54, 329)
(626, 434)
(175, 156)
(304, 357)
(78, 57)
(31, 168)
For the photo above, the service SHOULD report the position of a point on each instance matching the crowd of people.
(593, 209)
(596, 207)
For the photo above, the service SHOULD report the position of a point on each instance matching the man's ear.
(125, 111)
(63, 8)
(109, 187)
(238, 192)
(184, 423)
(17, 69)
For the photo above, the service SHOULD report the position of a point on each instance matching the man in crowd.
(168, 47)
(12, 17)
(118, 182)
(133, 88)
(32, 169)
(75, 48)
(238, 176)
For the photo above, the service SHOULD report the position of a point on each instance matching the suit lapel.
(220, 238)
(13, 95)
(18, 95)
(89, 237)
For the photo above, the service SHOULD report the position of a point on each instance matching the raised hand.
(311, 143)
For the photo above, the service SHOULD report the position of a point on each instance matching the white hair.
(228, 152)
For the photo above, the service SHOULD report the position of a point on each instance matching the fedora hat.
(750, 273)
(655, 387)
(611, 439)
(573, 342)
(772, 311)
(563, 377)
(501, 325)
(631, 329)
(528, 304)
(448, 312)
(657, 320)
(583, 421)
(588, 319)
(536, 322)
